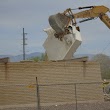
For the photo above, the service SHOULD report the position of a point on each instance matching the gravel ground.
(80, 106)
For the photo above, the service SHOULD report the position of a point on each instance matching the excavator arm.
(60, 21)
(104, 18)
(96, 11)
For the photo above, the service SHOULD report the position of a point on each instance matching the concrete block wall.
(17, 79)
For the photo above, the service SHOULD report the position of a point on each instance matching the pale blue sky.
(33, 16)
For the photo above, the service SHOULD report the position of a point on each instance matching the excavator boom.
(60, 21)
(94, 12)
(104, 18)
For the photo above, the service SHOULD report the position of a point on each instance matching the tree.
(39, 58)
(42, 58)
(36, 59)
(104, 61)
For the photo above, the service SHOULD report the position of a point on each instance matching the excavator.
(60, 22)
(64, 35)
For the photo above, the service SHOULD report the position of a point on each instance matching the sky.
(32, 15)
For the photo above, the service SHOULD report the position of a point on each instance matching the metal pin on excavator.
(64, 28)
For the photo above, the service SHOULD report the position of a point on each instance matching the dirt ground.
(80, 106)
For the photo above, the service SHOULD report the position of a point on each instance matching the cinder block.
(17, 79)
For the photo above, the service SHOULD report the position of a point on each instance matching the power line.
(105, 47)
(104, 50)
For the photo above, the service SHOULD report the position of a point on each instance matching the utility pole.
(24, 54)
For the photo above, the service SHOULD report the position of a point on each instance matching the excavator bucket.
(58, 22)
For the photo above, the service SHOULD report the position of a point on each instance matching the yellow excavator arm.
(60, 21)
(95, 11)
(104, 18)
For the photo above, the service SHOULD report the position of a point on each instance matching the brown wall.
(16, 81)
